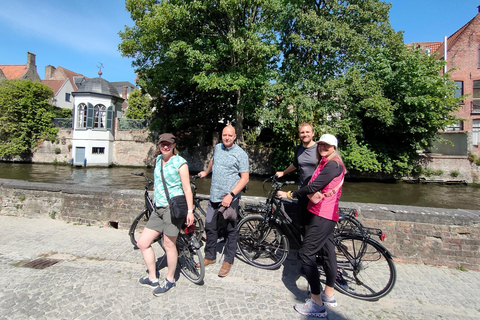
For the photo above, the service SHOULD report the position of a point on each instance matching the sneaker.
(341, 281)
(328, 301)
(311, 309)
(145, 281)
(163, 287)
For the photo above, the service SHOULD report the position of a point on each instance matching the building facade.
(96, 106)
(461, 50)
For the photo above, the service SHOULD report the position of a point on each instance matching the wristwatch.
(232, 194)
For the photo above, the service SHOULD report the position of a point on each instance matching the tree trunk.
(239, 120)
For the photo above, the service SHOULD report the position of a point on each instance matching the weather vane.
(100, 69)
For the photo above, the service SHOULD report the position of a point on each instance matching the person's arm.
(290, 168)
(184, 176)
(244, 178)
(331, 170)
(207, 171)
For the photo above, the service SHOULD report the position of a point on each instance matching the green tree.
(138, 105)
(208, 54)
(25, 116)
(349, 73)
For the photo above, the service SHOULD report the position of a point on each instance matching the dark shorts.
(161, 221)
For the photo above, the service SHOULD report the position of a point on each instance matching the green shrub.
(455, 173)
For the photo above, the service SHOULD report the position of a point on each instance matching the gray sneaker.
(311, 309)
(145, 281)
(328, 301)
(163, 287)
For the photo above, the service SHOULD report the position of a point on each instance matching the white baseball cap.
(329, 139)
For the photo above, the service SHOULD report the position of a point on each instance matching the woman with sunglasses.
(326, 185)
(177, 181)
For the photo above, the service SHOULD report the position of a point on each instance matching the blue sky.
(79, 35)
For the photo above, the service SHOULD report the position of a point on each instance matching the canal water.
(400, 193)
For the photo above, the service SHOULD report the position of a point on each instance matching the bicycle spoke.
(365, 271)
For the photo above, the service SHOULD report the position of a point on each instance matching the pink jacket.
(327, 207)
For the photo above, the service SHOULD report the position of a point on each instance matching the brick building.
(462, 53)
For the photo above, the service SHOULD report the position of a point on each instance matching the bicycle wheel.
(260, 243)
(198, 223)
(365, 268)
(137, 227)
(188, 258)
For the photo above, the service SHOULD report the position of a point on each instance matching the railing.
(65, 123)
(132, 124)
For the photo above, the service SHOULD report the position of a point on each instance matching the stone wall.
(440, 237)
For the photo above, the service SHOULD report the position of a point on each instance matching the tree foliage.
(213, 57)
(25, 116)
(277, 63)
(138, 105)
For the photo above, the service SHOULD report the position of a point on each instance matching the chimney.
(478, 9)
(124, 92)
(30, 60)
(49, 70)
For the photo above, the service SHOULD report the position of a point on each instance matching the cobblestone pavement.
(97, 278)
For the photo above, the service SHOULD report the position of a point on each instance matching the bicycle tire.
(137, 227)
(261, 243)
(366, 268)
(198, 222)
(188, 258)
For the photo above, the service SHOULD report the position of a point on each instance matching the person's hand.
(279, 174)
(282, 194)
(190, 219)
(227, 200)
(202, 174)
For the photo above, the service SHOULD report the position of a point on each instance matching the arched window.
(100, 116)
(82, 115)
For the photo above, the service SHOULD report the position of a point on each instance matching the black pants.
(319, 239)
(213, 223)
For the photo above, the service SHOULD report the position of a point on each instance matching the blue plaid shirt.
(228, 163)
(172, 179)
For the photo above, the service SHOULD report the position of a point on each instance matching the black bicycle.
(366, 269)
(188, 245)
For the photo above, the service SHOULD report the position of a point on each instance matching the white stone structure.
(96, 104)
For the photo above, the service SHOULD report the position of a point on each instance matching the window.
(82, 115)
(100, 116)
(98, 150)
(459, 89)
(455, 127)
(476, 97)
(67, 96)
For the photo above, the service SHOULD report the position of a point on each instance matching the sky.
(82, 36)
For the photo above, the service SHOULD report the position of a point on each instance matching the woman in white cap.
(177, 181)
(324, 191)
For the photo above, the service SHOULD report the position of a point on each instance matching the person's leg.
(329, 266)
(317, 233)
(144, 243)
(172, 256)
(232, 235)
(211, 231)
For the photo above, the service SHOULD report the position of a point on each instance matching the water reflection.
(426, 195)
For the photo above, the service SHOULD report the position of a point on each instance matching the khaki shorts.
(161, 221)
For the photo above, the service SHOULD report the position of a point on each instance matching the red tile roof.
(55, 85)
(14, 71)
(70, 74)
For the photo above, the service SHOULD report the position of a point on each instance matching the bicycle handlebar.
(142, 174)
